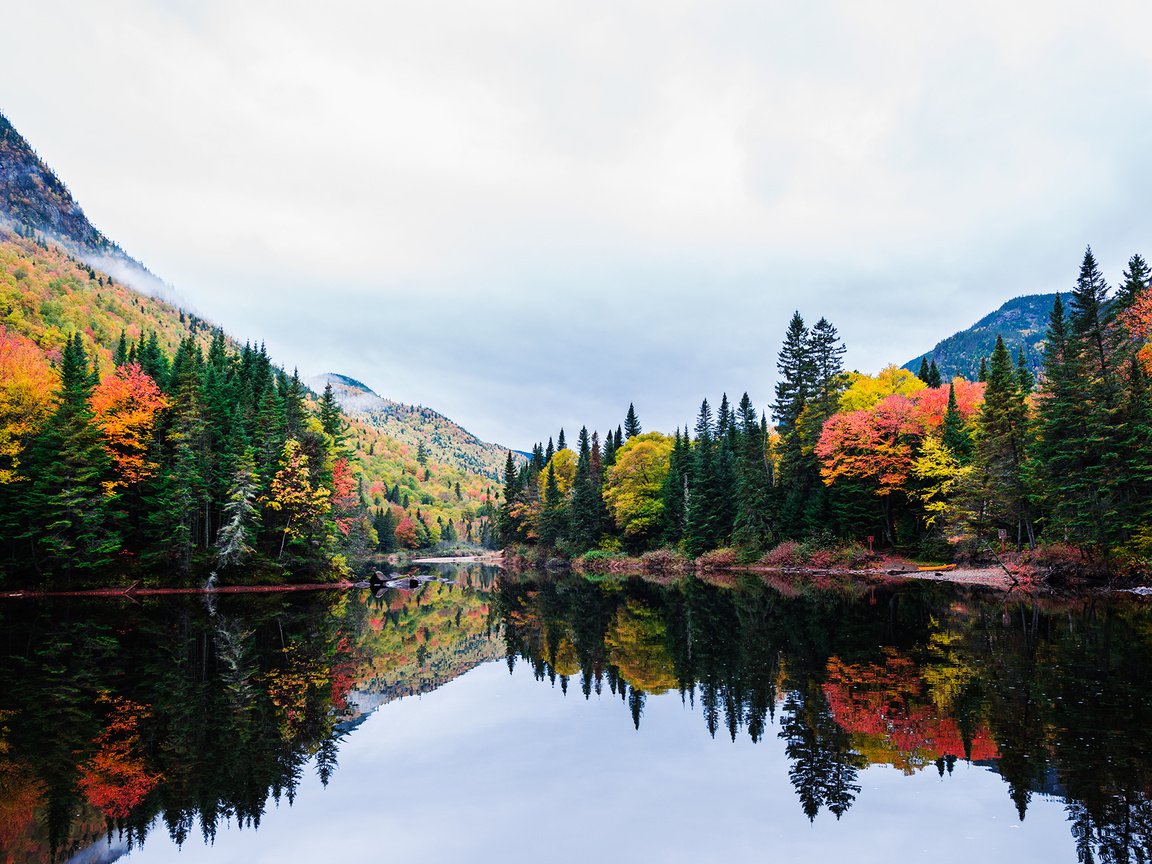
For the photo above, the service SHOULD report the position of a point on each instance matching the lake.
(488, 716)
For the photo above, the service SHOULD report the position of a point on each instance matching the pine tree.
(331, 417)
(552, 515)
(794, 365)
(1137, 279)
(1024, 377)
(923, 373)
(69, 512)
(674, 494)
(561, 444)
(982, 376)
(754, 527)
(1001, 452)
(121, 355)
(631, 422)
(934, 378)
(507, 526)
(585, 507)
(954, 431)
(241, 515)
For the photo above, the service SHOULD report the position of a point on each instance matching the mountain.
(1022, 321)
(446, 442)
(36, 202)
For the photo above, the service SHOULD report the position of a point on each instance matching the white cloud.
(528, 215)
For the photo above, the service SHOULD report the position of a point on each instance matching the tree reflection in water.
(1053, 695)
(118, 716)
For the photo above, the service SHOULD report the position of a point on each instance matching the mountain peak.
(1022, 321)
(33, 197)
(445, 441)
(337, 380)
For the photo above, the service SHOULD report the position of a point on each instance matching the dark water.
(560, 719)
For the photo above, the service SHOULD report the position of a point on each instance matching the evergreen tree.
(331, 417)
(954, 431)
(1137, 279)
(674, 494)
(982, 376)
(631, 422)
(241, 514)
(561, 444)
(934, 378)
(121, 355)
(552, 515)
(1001, 452)
(754, 527)
(923, 373)
(585, 506)
(69, 513)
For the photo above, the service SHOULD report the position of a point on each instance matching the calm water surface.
(554, 718)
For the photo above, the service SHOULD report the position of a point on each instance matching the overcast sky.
(527, 214)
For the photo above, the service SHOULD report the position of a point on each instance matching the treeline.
(907, 462)
(164, 466)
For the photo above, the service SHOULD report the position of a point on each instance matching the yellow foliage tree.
(27, 395)
(867, 391)
(563, 463)
(634, 490)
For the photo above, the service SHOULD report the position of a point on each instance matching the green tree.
(631, 422)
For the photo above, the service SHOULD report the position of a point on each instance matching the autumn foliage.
(126, 406)
(27, 388)
(117, 778)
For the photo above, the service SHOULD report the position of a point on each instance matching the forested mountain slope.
(1022, 321)
(444, 441)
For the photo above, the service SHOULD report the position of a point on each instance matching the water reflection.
(182, 716)
(1052, 695)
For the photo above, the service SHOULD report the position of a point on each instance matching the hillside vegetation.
(444, 441)
(1022, 322)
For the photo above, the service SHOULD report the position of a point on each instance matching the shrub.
(822, 559)
(663, 561)
(787, 554)
(718, 559)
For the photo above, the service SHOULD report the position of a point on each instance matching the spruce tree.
(561, 444)
(1137, 279)
(934, 378)
(331, 417)
(121, 355)
(923, 372)
(754, 527)
(552, 514)
(954, 431)
(69, 513)
(674, 493)
(584, 510)
(631, 422)
(1001, 451)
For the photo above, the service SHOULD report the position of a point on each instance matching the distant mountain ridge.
(445, 441)
(1022, 321)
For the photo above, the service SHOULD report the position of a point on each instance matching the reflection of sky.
(493, 767)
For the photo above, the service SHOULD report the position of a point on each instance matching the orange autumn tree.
(875, 445)
(126, 407)
(117, 779)
(27, 396)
